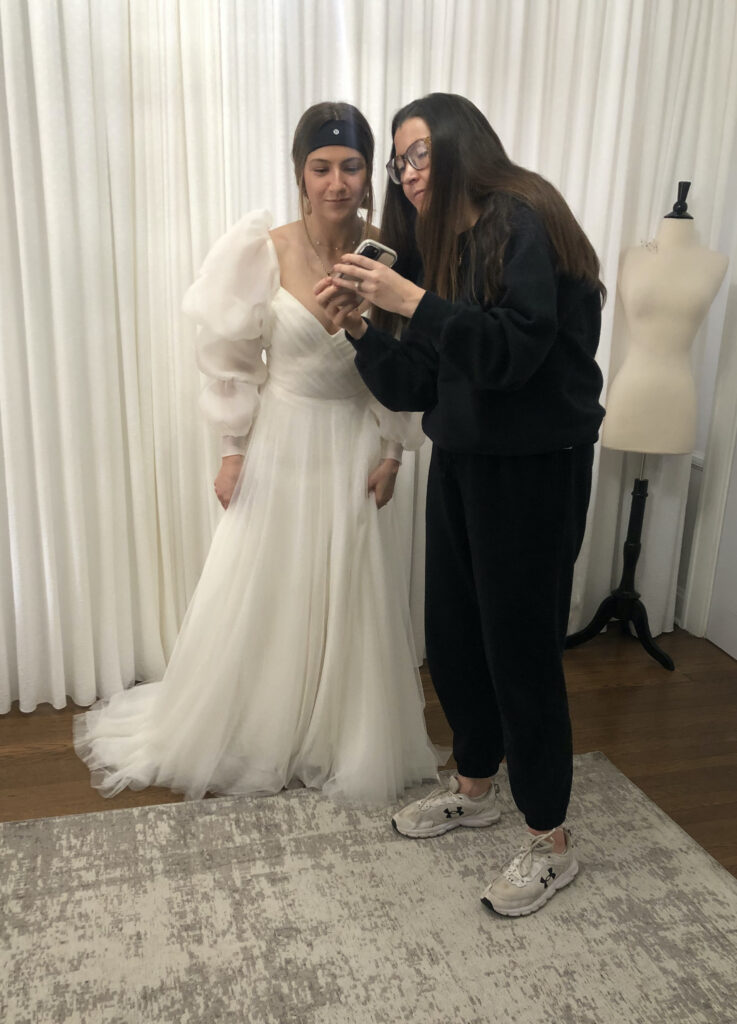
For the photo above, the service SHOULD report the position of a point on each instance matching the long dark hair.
(313, 119)
(468, 164)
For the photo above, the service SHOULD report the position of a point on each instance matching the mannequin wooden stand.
(624, 603)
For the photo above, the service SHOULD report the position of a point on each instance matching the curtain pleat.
(133, 132)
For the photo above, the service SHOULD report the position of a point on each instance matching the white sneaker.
(532, 877)
(446, 808)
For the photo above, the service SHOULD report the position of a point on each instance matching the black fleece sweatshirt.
(516, 377)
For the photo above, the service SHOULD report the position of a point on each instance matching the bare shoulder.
(373, 232)
(285, 236)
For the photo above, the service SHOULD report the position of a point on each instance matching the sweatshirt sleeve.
(400, 373)
(500, 346)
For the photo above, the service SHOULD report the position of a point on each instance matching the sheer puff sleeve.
(230, 300)
(399, 430)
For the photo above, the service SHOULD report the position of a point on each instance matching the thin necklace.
(334, 248)
(462, 253)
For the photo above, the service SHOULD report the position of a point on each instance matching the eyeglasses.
(417, 156)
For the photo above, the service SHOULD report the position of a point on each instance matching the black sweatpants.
(503, 533)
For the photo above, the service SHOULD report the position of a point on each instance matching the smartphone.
(373, 250)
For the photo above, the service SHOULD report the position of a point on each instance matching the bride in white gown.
(295, 660)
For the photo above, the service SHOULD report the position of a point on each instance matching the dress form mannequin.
(666, 287)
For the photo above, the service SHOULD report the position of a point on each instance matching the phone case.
(384, 255)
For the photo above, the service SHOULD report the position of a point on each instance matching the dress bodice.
(306, 359)
(252, 333)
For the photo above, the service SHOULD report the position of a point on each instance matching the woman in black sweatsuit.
(497, 290)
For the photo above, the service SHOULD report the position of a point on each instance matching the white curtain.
(132, 132)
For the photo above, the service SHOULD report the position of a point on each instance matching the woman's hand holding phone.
(343, 305)
(357, 279)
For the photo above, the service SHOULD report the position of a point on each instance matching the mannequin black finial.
(680, 207)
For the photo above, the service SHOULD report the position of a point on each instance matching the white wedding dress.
(295, 660)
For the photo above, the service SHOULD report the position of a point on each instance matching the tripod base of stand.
(626, 608)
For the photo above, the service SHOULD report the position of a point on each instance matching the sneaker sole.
(446, 826)
(559, 883)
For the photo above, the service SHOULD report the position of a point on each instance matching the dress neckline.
(294, 298)
(311, 315)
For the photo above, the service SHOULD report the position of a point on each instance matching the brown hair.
(313, 119)
(469, 165)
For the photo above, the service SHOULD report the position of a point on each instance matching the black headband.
(337, 133)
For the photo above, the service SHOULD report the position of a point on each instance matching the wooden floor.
(674, 734)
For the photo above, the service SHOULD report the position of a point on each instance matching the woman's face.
(415, 184)
(335, 181)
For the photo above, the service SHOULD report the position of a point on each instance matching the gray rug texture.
(293, 910)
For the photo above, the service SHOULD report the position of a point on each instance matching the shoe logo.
(449, 814)
(547, 879)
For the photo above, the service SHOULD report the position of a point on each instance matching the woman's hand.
(379, 285)
(227, 478)
(342, 305)
(372, 282)
(381, 481)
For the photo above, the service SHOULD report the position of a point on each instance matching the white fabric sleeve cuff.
(233, 445)
(391, 450)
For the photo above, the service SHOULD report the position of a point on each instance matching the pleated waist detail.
(308, 397)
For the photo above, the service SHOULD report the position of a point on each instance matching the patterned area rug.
(293, 911)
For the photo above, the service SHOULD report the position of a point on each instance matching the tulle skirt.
(295, 661)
